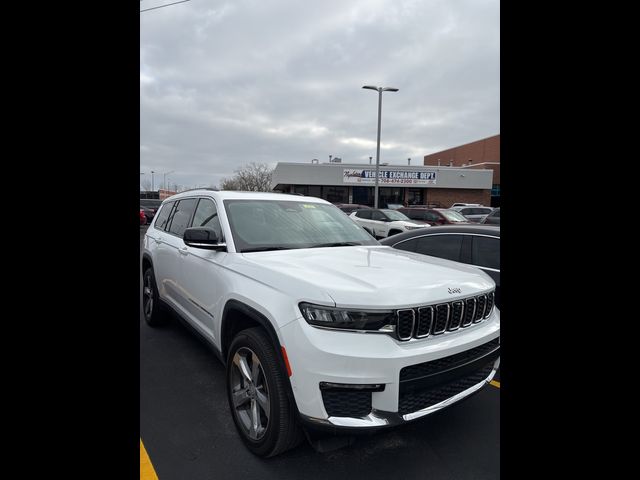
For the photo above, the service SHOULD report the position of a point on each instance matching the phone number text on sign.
(388, 177)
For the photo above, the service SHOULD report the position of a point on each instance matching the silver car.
(474, 214)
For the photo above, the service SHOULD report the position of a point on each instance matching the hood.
(363, 276)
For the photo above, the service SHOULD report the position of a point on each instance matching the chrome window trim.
(446, 233)
(484, 268)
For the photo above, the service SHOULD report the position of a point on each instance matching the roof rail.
(200, 188)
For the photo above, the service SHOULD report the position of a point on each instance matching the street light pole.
(152, 184)
(164, 180)
(379, 90)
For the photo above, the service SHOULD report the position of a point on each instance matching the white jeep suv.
(319, 326)
(385, 222)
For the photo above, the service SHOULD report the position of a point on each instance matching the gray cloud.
(227, 83)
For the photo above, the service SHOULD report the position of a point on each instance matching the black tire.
(278, 428)
(152, 310)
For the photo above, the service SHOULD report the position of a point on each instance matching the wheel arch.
(146, 262)
(237, 316)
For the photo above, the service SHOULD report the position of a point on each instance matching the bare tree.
(146, 184)
(252, 177)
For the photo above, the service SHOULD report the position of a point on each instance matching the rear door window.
(486, 252)
(376, 215)
(181, 216)
(409, 245)
(163, 216)
(443, 246)
(431, 216)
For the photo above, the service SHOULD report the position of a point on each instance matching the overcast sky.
(225, 83)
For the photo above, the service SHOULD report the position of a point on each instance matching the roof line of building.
(481, 163)
(463, 145)
(367, 165)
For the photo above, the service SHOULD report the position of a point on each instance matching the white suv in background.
(383, 223)
(319, 325)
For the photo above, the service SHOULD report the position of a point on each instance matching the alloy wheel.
(147, 296)
(250, 393)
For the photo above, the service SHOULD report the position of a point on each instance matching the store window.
(363, 195)
(414, 196)
(315, 191)
(391, 196)
(336, 194)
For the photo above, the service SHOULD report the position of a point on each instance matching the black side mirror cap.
(203, 237)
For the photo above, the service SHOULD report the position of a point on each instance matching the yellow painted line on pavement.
(146, 468)
(495, 383)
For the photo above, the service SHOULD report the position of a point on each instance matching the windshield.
(453, 216)
(260, 225)
(393, 215)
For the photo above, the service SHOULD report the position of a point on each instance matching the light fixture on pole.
(379, 90)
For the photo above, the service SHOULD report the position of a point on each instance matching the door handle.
(184, 251)
(157, 239)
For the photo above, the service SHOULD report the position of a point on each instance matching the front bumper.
(317, 356)
(380, 419)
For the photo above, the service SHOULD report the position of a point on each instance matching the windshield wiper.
(336, 244)
(266, 249)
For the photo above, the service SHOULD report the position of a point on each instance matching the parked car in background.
(435, 216)
(349, 208)
(466, 205)
(143, 217)
(394, 206)
(382, 223)
(493, 218)
(149, 213)
(474, 214)
(150, 206)
(476, 245)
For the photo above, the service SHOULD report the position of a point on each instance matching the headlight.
(416, 227)
(382, 321)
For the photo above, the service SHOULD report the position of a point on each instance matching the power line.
(162, 6)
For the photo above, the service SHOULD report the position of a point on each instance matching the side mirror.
(203, 237)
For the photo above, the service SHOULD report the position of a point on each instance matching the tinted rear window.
(181, 216)
(162, 216)
(443, 246)
(486, 252)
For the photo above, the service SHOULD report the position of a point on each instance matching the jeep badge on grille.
(454, 290)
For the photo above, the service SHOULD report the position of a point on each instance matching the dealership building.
(468, 173)
(398, 184)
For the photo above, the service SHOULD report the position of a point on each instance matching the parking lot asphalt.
(188, 432)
